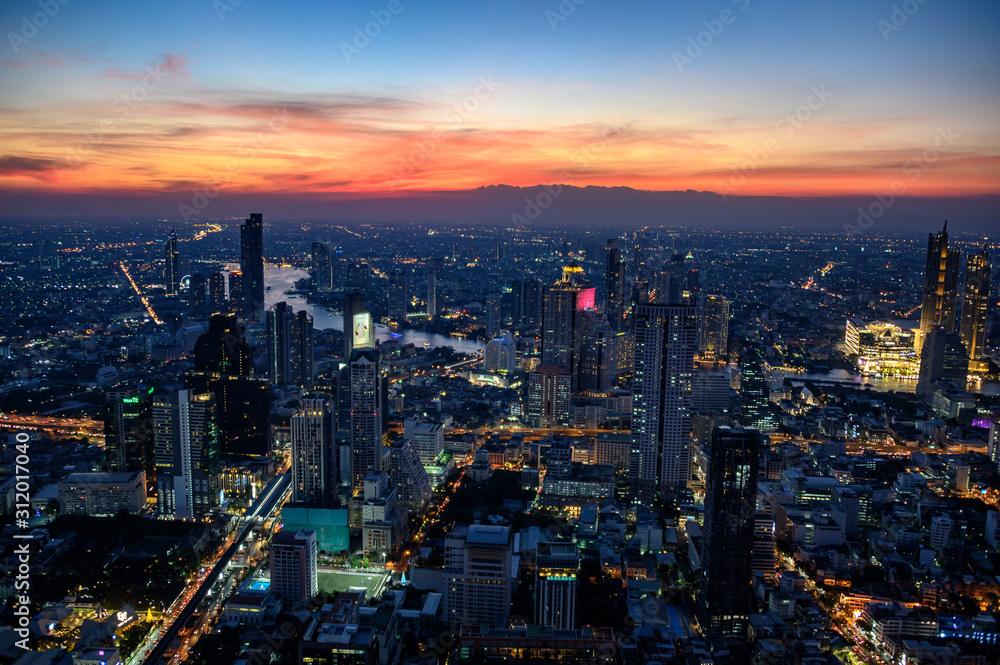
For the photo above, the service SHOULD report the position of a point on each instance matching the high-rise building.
(665, 342)
(493, 319)
(314, 464)
(172, 265)
(597, 365)
(293, 567)
(940, 285)
(431, 292)
(322, 267)
(499, 355)
(223, 348)
(549, 397)
(713, 339)
(724, 598)
(383, 520)
(367, 411)
(975, 303)
(197, 299)
(942, 358)
(556, 568)
(186, 452)
(408, 476)
(399, 294)
(252, 266)
(614, 286)
(290, 346)
(563, 308)
(477, 570)
(237, 293)
(217, 292)
(128, 431)
(427, 438)
(358, 331)
(527, 302)
(755, 393)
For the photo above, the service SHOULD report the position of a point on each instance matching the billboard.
(364, 334)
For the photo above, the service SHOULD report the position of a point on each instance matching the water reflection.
(888, 383)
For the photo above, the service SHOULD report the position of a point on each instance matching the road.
(266, 504)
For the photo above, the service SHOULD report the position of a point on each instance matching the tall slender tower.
(431, 292)
(556, 568)
(172, 267)
(665, 342)
(493, 316)
(527, 302)
(314, 464)
(614, 286)
(975, 303)
(728, 531)
(128, 430)
(367, 409)
(252, 266)
(322, 267)
(713, 339)
(399, 290)
(563, 308)
(357, 324)
(940, 285)
(289, 346)
(217, 292)
(186, 451)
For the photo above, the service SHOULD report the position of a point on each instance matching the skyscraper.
(549, 397)
(556, 568)
(942, 358)
(614, 286)
(399, 291)
(713, 339)
(314, 464)
(563, 307)
(290, 346)
(940, 285)
(755, 393)
(172, 265)
(252, 266)
(597, 366)
(728, 531)
(478, 585)
(237, 294)
(322, 267)
(128, 430)
(493, 320)
(367, 410)
(357, 324)
(217, 292)
(293, 567)
(197, 294)
(665, 342)
(431, 292)
(975, 303)
(186, 452)
(223, 349)
(527, 302)
(408, 476)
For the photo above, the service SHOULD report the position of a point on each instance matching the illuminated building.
(399, 290)
(128, 430)
(236, 293)
(975, 303)
(172, 265)
(478, 575)
(942, 358)
(499, 355)
(665, 342)
(549, 397)
(755, 394)
(314, 465)
(597, 362)
(940, 285)
(217, 291)
(493, 319)
(431, 292)
(407, 473)
(293, 567)
(883, 348)
(223, 349)
(527, 302)
(427, 438)
(186, 451)
(383, 520)
(563, 307)
(102, 494)
(556, 568)
(367, 410)
(713, 338)
(322, 268)
(358, 331)
(244, 405)
(614, 286)
(252, 266)
(482, 645)
(724, 597)
(290, 346)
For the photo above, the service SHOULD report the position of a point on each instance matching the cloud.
(12, 166)
(173, 65)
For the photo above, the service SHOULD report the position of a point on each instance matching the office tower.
(665, 342)
(764, 558)
(314, 466)
(671, 283)
(217, 292)
(614, 286)
(493, 320)
(223, 349)
(237, 294)
(556, 568)
(975, 303)
(710, 391)
(597, 366)
(427, 438)
(197, 299)
(293, 567)
(563, 307)
(367, 410)
(713, 341)
(290, 346)
(186, 452)
(172, 265)
(477, 571)
(399, 289)
(548, 397)
(128, 431)
(942, 358)
(358, 331)
(383, 520)
(431, 292)
(252, 266)
(527, 302)
(322, 267)
(728, 531)
(499, 355)
(408, 476)
(693, 285)
(940, 285)
(755, 394)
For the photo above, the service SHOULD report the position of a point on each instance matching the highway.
(264, 506)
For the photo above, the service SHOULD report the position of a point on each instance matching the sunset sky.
(263, 97)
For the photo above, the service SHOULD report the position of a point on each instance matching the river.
(888, 383)
(281, 279)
